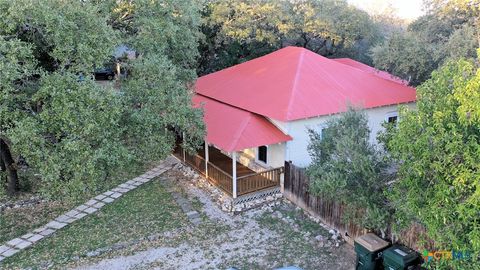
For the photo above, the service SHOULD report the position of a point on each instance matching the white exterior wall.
(296, 149)
(275, 157)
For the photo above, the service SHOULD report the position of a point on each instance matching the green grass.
(145, 211)
(292, 244)
(19, 221)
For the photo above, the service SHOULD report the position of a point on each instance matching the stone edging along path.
(93, 205)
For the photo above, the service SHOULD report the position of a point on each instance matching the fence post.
(206, 159)
(234, 174)
(183, 149)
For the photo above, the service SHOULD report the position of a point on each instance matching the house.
(257, 113)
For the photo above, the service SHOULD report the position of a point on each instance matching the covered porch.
(231, 130)
(229, 175)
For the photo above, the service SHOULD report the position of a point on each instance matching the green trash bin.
(399, 257)
(369, 249)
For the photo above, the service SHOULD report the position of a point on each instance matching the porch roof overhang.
(232, 129)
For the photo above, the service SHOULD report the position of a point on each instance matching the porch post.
(234, 174)
(206, 159)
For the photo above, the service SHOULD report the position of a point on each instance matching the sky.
(405, 9)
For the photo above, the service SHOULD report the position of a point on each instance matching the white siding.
(275, 157)
(296, 150)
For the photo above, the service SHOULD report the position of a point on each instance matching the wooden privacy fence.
(258, 181)
(296, 189)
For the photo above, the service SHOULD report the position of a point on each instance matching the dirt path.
(263, 238)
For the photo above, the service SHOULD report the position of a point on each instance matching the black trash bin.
(369, 249)
(399, 257)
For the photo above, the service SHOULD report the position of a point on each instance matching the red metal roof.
(295, 83)
(232, 129)
(372, 70)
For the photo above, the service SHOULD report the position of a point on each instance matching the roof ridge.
(225, 103)
(295, 81)
(375, 70)
(238, 135)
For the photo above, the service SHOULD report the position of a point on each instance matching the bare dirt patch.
(264, 238)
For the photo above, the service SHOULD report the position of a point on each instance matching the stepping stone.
(121, 190)
(91, 210)
(81, 207)
(23, 245)
(116, 195)
(123, 185)
(72, 213)
(136, 184)
(80, 215)
(10, 252)
(107, 193)
(14, 242)
(26, 236)
(35, 238)
(4, 248)
(55, 225)
(196, 221)
(107, 200)
(130, 188)
(39, 230)
(100, 197)
(91, 202)
(47, 232)
(70, 220)
(193, 215)
(98, 205)
(63, 218)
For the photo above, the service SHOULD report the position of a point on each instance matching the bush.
(348, 168)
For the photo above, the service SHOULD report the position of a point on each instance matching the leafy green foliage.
(347, 168)
(438, 147)
(449, 31)
(71, 132)
(236, 31)
(404, 55)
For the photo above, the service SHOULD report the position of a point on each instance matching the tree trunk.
(9, 165)
(2, 165)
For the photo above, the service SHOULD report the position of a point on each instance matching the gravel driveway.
(267, 237)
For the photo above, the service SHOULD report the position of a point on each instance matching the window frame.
(257, 156)
(391, 115)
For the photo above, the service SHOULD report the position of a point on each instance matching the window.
(262, 154)
(326, 133)
(392, 118)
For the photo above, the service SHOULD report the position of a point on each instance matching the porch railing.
(196, 161)
(223, 180)
(216, 176)
(258, 181)
(220, 178)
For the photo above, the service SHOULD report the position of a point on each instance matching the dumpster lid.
(401, 255)
(371, 242)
